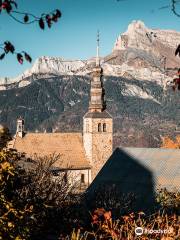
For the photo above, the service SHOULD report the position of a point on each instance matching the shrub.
(15, 218)
(103, 227)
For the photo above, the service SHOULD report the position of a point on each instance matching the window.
(99, 127)
(55, 173)
(104, 127)
(82, 178)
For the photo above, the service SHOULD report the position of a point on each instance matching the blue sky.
(74, 36)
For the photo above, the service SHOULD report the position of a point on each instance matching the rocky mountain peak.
(140, 52)
(47, 66)
(136, 25)
(55, 65)
(141, 37)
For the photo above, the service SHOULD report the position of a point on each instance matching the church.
(89, 156)
(81, 154)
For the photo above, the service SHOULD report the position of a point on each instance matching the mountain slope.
(141, 110)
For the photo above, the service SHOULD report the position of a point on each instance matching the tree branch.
(28, 18)
(173, 7)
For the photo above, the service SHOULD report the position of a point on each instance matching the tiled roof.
(68, 145)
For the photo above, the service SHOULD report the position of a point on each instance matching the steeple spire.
(97, 102)
(97, 54)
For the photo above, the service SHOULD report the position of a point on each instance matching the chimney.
(20, 127)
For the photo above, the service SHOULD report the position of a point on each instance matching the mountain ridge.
(135, 51)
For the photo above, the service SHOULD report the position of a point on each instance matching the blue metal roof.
(140, 171)
(164, 164)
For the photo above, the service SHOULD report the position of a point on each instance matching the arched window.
(104, 127)
(99, 127)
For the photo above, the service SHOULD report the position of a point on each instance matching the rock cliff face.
(57, 66)
(46, 66)
(159, 44)
(141, 37)
(141, 53)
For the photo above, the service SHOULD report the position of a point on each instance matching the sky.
(74, 36)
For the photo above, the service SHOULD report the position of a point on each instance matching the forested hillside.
(142, 110)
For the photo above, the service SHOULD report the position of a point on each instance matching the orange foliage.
(169, 143)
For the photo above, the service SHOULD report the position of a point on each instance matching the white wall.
(74, 177)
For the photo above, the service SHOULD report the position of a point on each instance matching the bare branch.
(173, 7)
(10, 7)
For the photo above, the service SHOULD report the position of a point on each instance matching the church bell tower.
(97, 123)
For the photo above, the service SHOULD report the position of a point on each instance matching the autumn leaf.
(2, 56)
(4, 5)
(48, 20)
(20, 58)
(41, 23)
(5, 165)
(8, 47)
(58, 13)
(107, 215)
(26, 18)
(27, 57)
(169, 143)
(8, 7)
(54, 18)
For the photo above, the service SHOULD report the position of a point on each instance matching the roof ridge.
(147, 148)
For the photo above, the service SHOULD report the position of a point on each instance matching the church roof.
(68, 145)
(103, 114)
